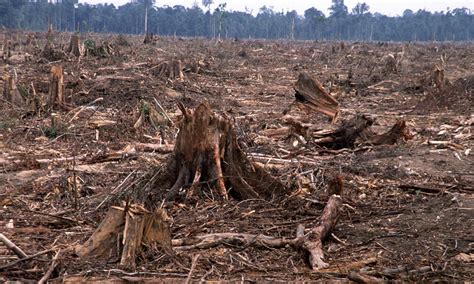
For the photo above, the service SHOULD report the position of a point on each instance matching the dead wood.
(397, 132)
(124, 232)
(207, 153)
(346, 135)
(311, 242)
(362, 278)
(56, 86)
(314, 241)
(311, 94)
(169, 69)
(11, 94)
(74, 46)
(9, 244)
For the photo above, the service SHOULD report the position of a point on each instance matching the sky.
(386, 7)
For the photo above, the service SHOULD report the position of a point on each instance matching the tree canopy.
(360, 24)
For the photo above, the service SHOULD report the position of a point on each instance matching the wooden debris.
(169, 69)
(397, 132)
(9, 244)
(346, 135)
(51, 268)
(311, 242)
(311, 94)
(149, 114)
(362, 278)
(314, 242)
(123, 233)
(56, 95)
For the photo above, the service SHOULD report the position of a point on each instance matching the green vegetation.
(343, 23)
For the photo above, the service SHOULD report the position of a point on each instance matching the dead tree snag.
(207, 153)
(56, 87)
(311, 94)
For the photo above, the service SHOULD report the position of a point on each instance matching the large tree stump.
(207, 153)
(311, 94)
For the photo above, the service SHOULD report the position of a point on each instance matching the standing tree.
(207, 4)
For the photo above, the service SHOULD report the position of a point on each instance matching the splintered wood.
(311, 94)
(126, 231)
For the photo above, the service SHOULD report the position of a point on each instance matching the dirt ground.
(408, 207)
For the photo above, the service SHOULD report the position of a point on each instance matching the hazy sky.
(387, 7)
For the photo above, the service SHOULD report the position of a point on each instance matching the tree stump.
(311, 94)
(56, 87)
(125, 231)
(169, 69)
(74, 46)
(207, 153)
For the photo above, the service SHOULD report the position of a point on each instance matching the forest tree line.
(208, 20)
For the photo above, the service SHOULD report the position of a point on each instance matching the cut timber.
(311, 94)
(207, 153)
(74, 46)
(56, 87)
(125, 231)
(169, 69)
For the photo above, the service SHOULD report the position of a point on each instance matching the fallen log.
(311, 94)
